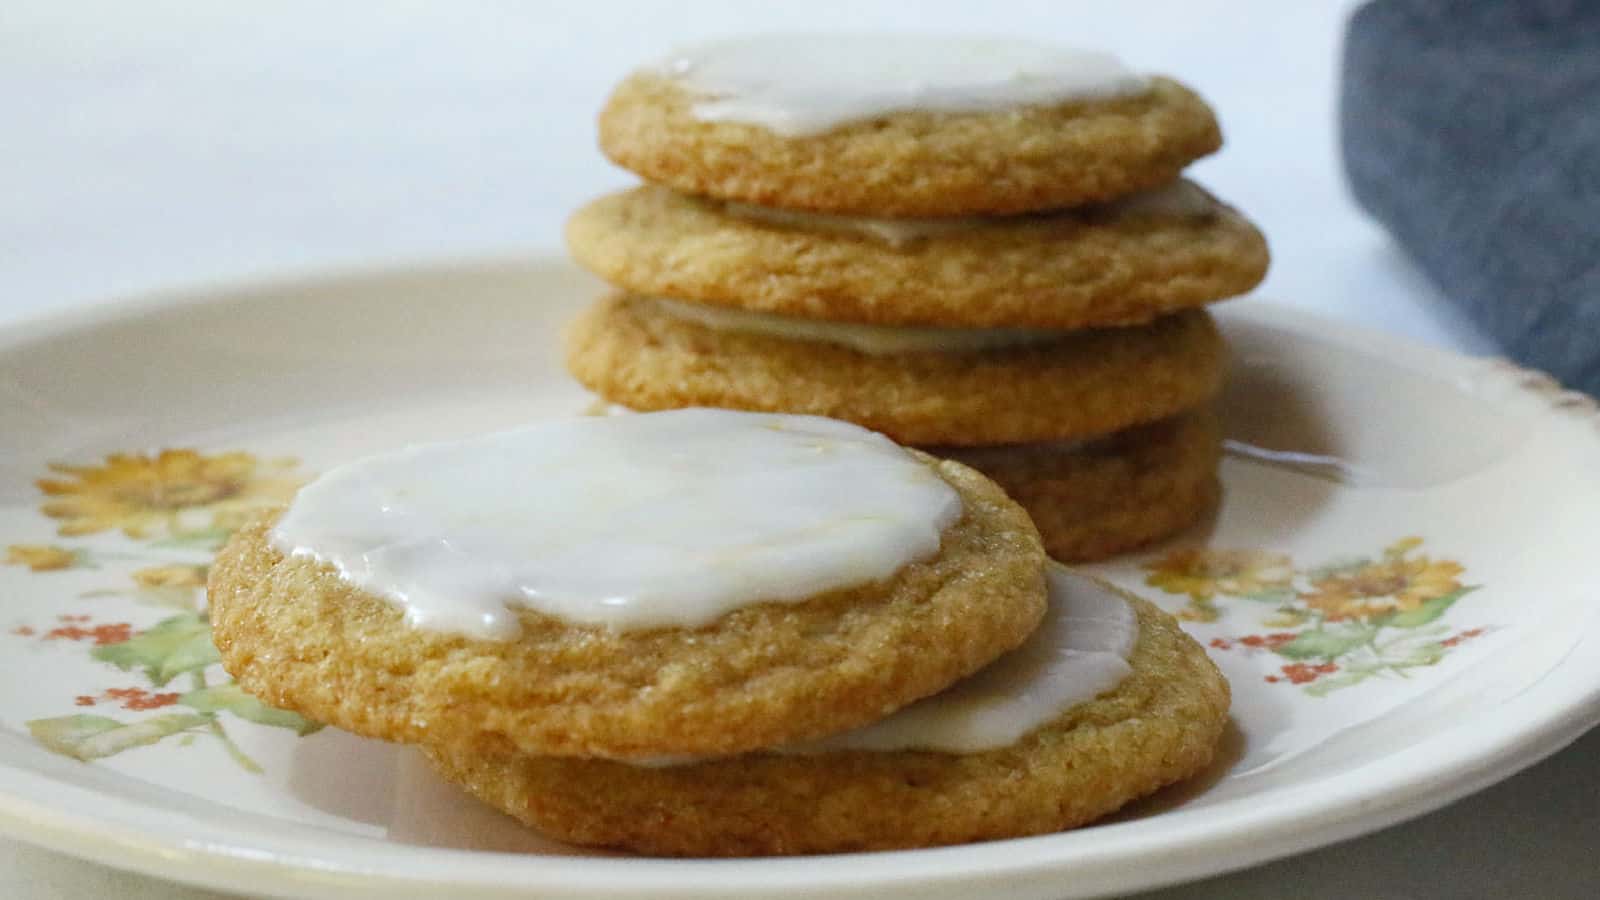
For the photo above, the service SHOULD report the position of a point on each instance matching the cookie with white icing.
(1097, 499)
(1121, 263)
(909, 125)
(940, 780)
(699, 582)
(960, 387)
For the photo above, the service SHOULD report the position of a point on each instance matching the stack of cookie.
(981, 248)
(707, 632)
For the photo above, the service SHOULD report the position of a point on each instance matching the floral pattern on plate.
(1337, 624)
(172, 509)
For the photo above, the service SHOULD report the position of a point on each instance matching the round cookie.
(297, 635)
(1112, 495)
(915, 163)
(1118, 264)
(632, 351)
(1160, 725)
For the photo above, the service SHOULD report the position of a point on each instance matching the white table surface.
(165, 144)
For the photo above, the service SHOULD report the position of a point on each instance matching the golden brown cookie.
(915, 163)
(1160, 725)
(299, 637)
(1114, 494)
(1099, 266)
(632, 351)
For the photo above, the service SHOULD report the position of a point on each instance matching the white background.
(156, 145)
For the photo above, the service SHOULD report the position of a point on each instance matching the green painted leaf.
(1325, 686)
(1427, 654)
(88, 737)
(1286, 617)
(1428, 611)
(1275, 595)
(64, 733)
(175, 645)
(1325, 644)
(232, 698)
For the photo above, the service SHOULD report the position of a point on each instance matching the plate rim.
(1451, 764)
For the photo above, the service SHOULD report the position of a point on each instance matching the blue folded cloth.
(1471, 129)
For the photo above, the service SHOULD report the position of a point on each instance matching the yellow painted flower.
(1396, 583)
(141, 494)
(40, 557)
(170, 576)
(1203, 573)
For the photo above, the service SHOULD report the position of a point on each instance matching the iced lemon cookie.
(903, 125)
(1099, 498)
(1118, 263)
(1107, 702)
(699, 582)
(919, 386)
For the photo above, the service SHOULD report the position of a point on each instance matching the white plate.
(1368, 687)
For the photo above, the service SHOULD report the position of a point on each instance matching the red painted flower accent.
(1303, 673)
(1256, 642)
(102, 634)
(151, 701)
(76, 628)
(1267, 641)
(137, 699)
(1463, 637)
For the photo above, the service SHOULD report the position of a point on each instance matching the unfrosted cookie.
(299, 636)
(635, 352)
(1115, 264)
(1111, 495)
(1161, 724)
(912, 162)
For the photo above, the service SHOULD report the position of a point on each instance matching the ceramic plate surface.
(1399, 585)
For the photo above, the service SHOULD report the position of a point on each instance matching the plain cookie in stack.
(983, 248)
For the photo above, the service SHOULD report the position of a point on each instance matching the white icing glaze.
(798, 84)
(1079, 652)
(659, 519)
(872, 339)
(1181, 199)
